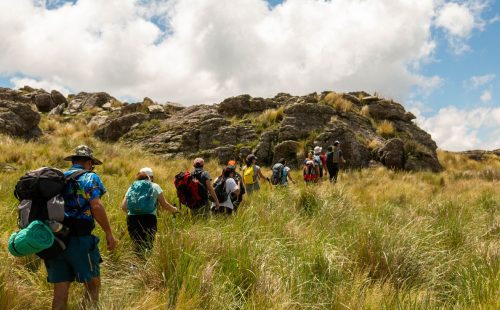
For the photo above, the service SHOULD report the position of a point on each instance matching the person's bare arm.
(289, 176)
(237, 191)
(124, 204)
(262, 175)
(102, 219)
(213, 194)
(165, 205)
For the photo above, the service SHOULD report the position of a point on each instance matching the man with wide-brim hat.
(82, 208)
(83, 152)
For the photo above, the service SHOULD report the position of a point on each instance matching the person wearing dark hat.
(333, 159)
(83, 206)
(252, 174)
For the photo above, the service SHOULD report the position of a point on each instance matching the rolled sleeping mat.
(35, 238)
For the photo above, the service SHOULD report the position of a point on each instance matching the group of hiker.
(74, 253)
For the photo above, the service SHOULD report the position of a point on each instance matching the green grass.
(377, 239)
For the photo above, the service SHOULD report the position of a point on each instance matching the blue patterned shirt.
(90, 187)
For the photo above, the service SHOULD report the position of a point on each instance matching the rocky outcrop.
(244, 104)
(480, 155)
(265, 149)
(282, 126)
(392, 154)
(19, 119)
(289, 151)
(86, 101)
(116, 128)
(303, 118)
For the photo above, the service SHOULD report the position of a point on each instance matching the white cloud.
(459, 20)
(47, 85)
(486, 96)
(201, 51)
(477, 81)
(456, 129)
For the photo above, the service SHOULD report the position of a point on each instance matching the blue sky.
(438, 58)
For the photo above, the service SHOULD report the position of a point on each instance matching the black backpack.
(40, 198)
(220, 189)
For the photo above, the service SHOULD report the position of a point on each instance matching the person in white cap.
(318, 160)
(140, 203)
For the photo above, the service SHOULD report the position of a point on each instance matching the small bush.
(386, 129)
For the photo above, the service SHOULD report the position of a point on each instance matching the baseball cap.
(148, 171)
(251, 157)
(198, 162)
(231, 164)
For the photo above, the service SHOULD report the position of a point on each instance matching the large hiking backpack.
(249, 175)
(140, 198)
(220, 189)
(277, 176)
(40, 199)
(190, 191)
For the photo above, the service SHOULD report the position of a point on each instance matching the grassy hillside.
(377, 239)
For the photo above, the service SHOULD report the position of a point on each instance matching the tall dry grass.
(376, 239)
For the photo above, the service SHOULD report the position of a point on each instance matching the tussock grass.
(270, 117)
(386, 129)
(337, 102)
(376, 239)
(365, 111)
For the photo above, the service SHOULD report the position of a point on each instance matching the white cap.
(148, 171)
(317, 149)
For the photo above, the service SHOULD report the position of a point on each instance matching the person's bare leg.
(91, 297)
(61, 292)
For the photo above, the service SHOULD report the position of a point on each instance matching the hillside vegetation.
(378, 239)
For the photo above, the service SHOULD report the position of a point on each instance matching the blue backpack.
(140, 198)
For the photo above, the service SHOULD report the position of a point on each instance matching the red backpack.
(310, 173)
(190, 191)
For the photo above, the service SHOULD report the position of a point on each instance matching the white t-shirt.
(285, 176)
(231, 187)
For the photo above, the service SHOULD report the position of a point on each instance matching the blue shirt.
(89, 187)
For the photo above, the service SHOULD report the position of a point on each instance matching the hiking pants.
(142, 230)
(333, 170)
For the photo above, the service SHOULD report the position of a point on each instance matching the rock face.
(284, 126)
(113, 130)
(392, 154)
(19, 119)
(86, 101)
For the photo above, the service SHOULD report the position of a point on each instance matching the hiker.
(80, 261)
(311, 169)
(281, 174)
(237, 199)
(225, 186)
(319, 160)
(206, 181)
(333, 158)
(252, 174)
(140, 203)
